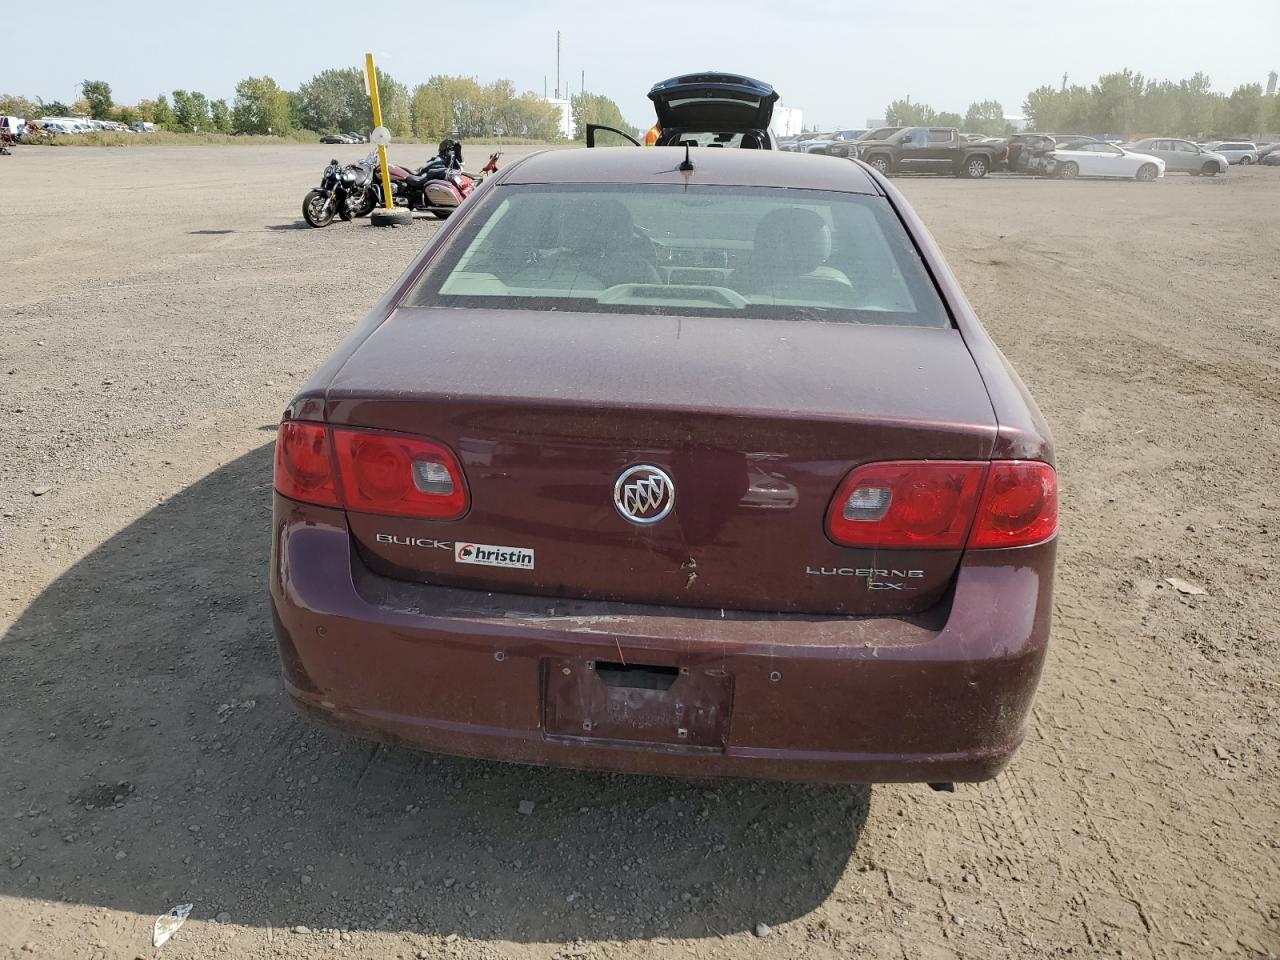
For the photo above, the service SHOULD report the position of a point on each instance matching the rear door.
(943, 150)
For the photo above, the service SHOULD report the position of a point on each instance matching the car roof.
(712, 166)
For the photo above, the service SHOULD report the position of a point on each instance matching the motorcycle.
(440, 186)
(345, 191)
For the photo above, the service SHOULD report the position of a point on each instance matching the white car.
(1105, 160)
(1236, 151)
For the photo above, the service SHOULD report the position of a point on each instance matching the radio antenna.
(686, 164)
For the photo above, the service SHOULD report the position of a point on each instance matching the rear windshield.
(685, 251)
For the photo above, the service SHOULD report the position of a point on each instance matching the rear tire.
(975, 168)
(1245, 161)
(881, 162)
(316, 209)
(1069, 170)
(1146, 173)
(1209, 169)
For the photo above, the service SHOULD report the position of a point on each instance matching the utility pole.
(1064, 81)
(583, 91)
(557, 64)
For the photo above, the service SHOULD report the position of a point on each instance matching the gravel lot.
(161, 305)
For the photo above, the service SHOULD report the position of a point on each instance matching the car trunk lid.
(756, 422)
(713, 101)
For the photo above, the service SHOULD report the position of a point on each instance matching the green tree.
(1115, 102)
(986, 117)
(98, 94)
(162, 113)
(220, 115)
(1243, 114)
(948, 119)
(190, 110)
(335, 100)
(55, 108)
(596, 108)
(261, 107)
(904, 113)
(296, 115)
(15, 106)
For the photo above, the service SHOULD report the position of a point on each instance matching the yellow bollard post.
(389, 215)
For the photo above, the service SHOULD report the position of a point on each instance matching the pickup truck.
(931, 150)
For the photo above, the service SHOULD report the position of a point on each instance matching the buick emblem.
(644, 494)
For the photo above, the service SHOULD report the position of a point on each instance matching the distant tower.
(1064, 82)
(1271, 83)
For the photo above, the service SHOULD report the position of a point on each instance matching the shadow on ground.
(151, 759)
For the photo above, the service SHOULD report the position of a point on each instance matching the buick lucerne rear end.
(660, 470)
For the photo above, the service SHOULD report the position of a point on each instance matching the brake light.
(945, 505)
(399, 475)
(1019, 505)
(922, 505)
(304, 463)
(369, 472)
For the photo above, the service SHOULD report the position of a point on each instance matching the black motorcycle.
(346, 192)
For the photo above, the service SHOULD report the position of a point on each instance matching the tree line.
(335, 101)
(1123, 103)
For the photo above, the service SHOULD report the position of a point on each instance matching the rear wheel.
(1069, 170)
(1209, 169)
(975, 168)
(881, 162)
(1245, 161)
(317, 210)
(1146, 173)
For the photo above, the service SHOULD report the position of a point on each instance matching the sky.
(840, 62)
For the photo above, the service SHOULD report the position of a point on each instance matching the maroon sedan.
(703, 471)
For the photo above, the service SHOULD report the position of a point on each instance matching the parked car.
(837, 144)
(1099, 159)
(1236, 151)
(705, 110)
(1182, 156)
(142, 126)
(672, 471)
(931, 150)
(1021, 146)
(1269, 156)
(357, 138)
(335, 138)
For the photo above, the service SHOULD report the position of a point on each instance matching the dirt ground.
(160, 306)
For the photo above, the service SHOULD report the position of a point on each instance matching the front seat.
(598, 249)
(788, 262)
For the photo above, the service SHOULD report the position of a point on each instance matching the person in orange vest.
(651, 135)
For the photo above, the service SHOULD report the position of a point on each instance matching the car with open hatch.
(725, 110)
(673, 462)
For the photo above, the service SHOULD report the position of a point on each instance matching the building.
(566, 115)
(787, 121)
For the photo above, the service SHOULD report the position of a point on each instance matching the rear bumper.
(803, 698)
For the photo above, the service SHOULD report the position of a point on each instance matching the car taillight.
(923, 505)
(945, 505)
(395, 474)
(369, 471)
(1019, 505)
(304, 463)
